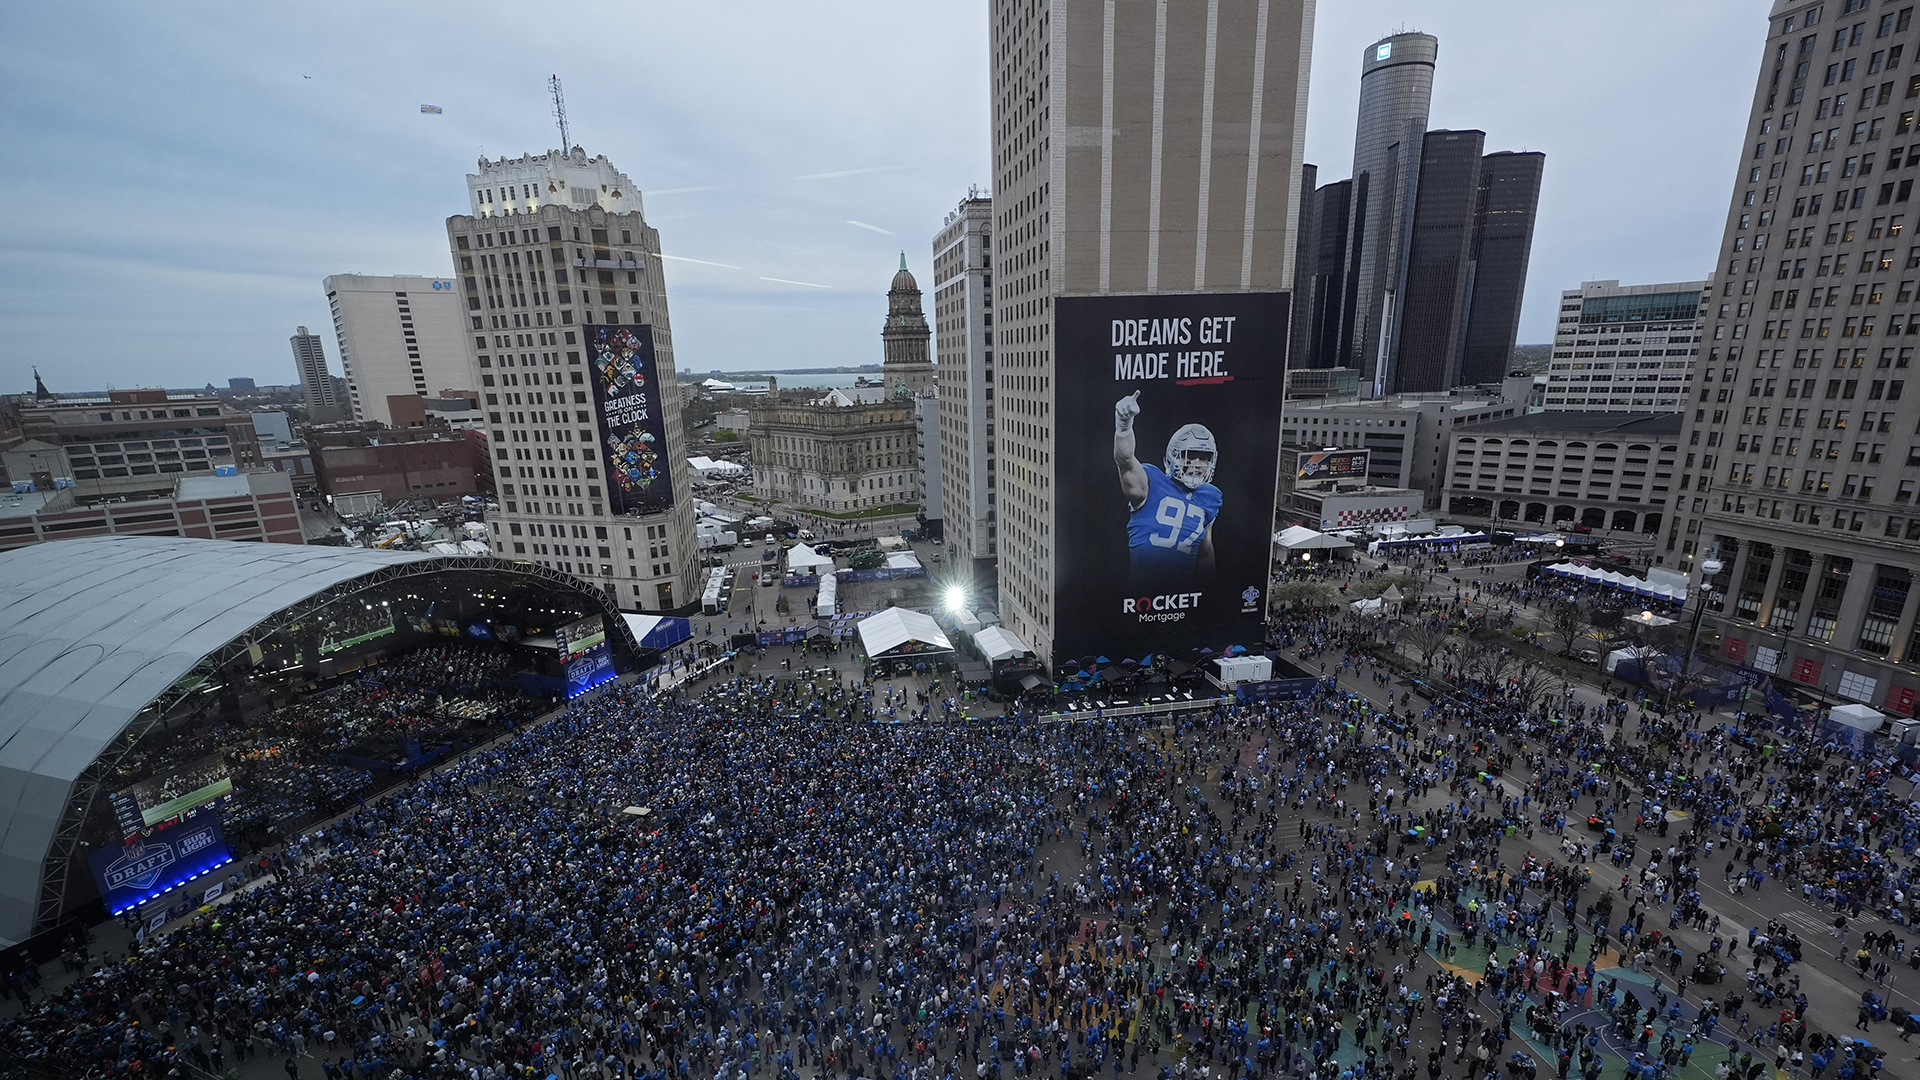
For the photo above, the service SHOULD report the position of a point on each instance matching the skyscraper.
(1396, 87)
(1136, 149)
(1421, 264)
(1801, 472)
(1502, 245)
(566, 302)
(963, 345)
(1437, 280)
(316, 384)
(399, 336)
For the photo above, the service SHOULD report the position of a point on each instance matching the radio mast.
(560, 113)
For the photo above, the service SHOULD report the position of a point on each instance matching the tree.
(1427, 635)
(1567, 621)
(725, 435)
(1301, 595)
(1530, 682)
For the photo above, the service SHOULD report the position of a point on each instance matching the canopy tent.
(1373, 606)
(658, 631)
(802, 559)
(1857, 716)
(1594, 575)
(997, 643)
(1301, 538)
(827, 602)
(901, 632)
(965, 621)
(903, 560)
(707, 466)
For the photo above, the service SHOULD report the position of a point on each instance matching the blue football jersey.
(1165, 533)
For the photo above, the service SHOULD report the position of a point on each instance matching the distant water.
(823, 380)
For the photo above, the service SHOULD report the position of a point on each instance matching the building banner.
(129, 875)
(1167, 438)
(633, 431)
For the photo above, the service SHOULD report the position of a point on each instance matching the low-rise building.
(1326, 487)
(430, 461)
(257, 506)
(138, 442)
(1405, 434)
(1602, 470)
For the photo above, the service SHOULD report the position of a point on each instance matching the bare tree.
(1426, 635)
(1485, 661)
(1531, 681)
(1567, 621)
(1300, 595)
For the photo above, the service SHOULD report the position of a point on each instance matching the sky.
(184, 174)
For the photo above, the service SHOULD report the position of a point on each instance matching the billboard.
(633, 431)
(171, 793)
(1332, 465)
(131, 875)
(585, 653)
(1167, 445)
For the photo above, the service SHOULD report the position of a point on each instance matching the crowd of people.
(746, 878)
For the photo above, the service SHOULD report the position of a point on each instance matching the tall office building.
(1136, 149)
(1396, 87)
(963, 346)
(1502, 246)
(1626, 348)
(316, 383)
(1801, 469)
(1420, 265)
(399, 336)
(567, 329)
(1438, 280)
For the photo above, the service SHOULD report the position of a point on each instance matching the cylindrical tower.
(1396, 86)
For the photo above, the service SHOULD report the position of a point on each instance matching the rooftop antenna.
(560, 112)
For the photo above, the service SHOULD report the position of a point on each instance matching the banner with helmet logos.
(633, 432)
(1166, 449)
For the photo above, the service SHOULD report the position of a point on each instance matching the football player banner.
(1166, 454)
(633, 432)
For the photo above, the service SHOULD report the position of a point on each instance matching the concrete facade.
(1627, 349)
(399, 336)
(1406, 434)
(963, 346)
(138, 442)
(1802, 467)
(833, 452)
(533, 267)
(1136, 149)
(1612, 471)
(256, 506)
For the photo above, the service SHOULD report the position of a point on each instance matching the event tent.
(1676, 592)
(1301, 538)
(998, 643)
(903, 560)
(802, 559)
(901, 632)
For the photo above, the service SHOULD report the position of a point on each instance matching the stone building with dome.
(855, 448)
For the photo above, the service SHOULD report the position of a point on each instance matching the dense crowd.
(756, 881)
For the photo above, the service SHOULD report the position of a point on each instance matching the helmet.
(1191, 439)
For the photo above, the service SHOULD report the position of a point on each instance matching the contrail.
(852, 172)
(702, 262)
(874, 228)
(790, 281)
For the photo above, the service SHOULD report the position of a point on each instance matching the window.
(1856, 686)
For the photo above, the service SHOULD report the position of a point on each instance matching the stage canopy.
(901, 632)
(657, 631)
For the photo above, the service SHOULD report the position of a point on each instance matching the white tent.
(707, 466)
(1368, 607)
(828, 600)
(903, 560)
(1859, 717)
(996, 643)
(1301, 538)
(901, 632)
(802, 559)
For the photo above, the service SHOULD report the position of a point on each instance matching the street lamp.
(956, 598)
(1709, 568)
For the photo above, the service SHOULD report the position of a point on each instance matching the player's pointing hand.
(1127, 408)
